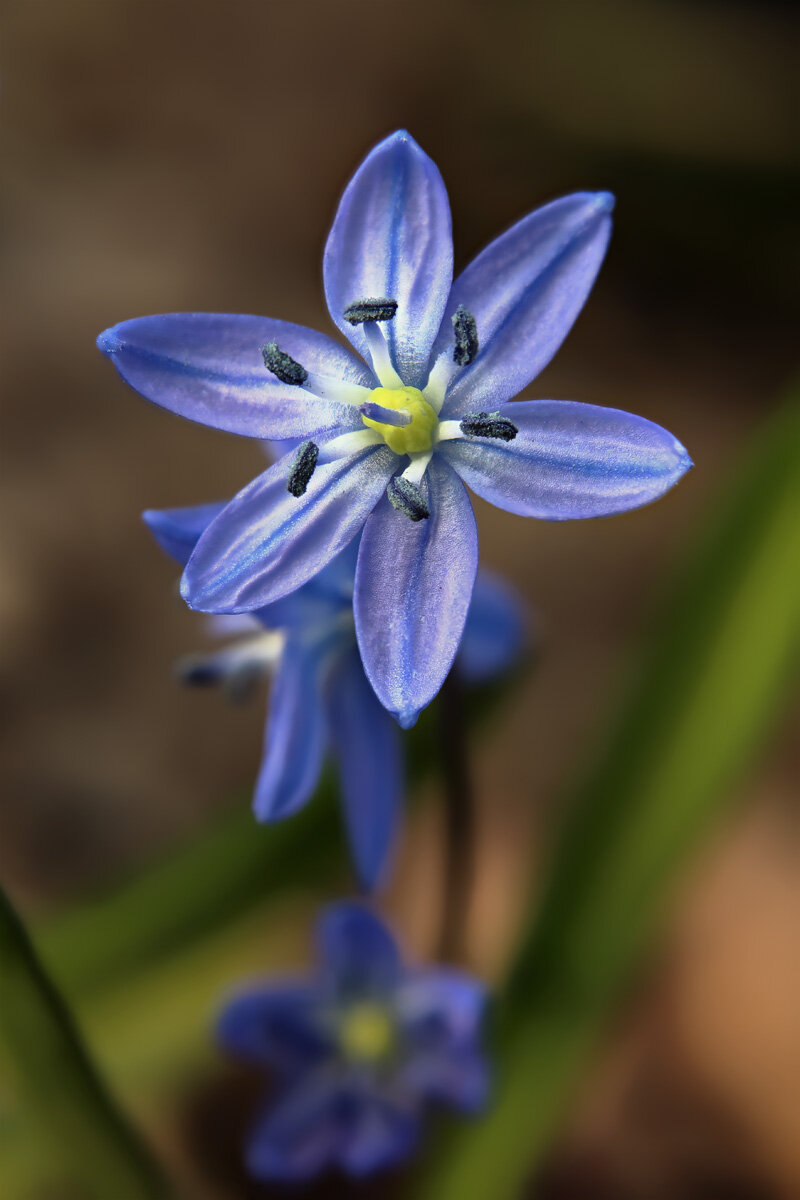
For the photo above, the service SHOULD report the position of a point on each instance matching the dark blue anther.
(302, 468)
(198, 670)
(406, 497)
(287, 369)
(466, 332)
(370, 309)
(489, 425)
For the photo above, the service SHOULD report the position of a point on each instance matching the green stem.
(59, 1081)
(459, 813)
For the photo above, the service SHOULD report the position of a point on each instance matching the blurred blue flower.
(321, 697)
(359, 1051)
(390, 436)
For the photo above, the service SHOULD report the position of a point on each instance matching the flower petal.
(324, 1121)
(382, 1135)
(366, 742)
(267, 543)
(525, 291)
(442, 1013)
(301, 1134)
(413, 586)
(495, 630)
(178, 530)
(208, 367)
(274, 1025)
(459, 1078)
(437, 1004)
(571, 460)
(359, 956)
(391, 237)
(295, 738)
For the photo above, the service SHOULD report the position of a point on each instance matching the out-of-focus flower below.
(359, 1051)
(321, 698)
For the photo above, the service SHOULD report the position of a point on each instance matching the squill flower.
(359, 1051)
(389, 437)
(321, 699)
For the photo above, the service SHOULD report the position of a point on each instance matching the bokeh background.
(188, 155)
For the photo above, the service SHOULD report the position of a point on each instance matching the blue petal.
(208, 367)
(267, 543)
(413, 586)
(525, 291)
(295, 738)
(366, 743)
(324, 1122)
(178, 530)
(392, 238)
(274, 1025)
(442, 1012)
(382, 1136)
(442, 1006)
(458, 1078)
(358, 954)
(571, 460)
(495, 630)
(300, 1135)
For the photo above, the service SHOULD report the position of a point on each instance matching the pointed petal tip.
(605, 201)
(407, 718)
(400, 137)
(109, 342)
(189, 596)
(685, 462)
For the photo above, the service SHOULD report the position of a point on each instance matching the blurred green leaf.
(59, 1082)
(727, 647)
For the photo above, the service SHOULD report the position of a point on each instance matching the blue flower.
(321, 697)
(389, 436)
(359, 1051)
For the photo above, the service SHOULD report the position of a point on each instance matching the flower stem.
(459, 818)
(59, 1081)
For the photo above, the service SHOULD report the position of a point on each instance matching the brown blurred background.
(188, 155)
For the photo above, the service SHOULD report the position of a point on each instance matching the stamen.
(287, 369)
(386, 416)
(350, 443)
(466, 331)
(370, 309)
(199, 670)
(302, 468)
(489, 425)
(449, 431)
(417, 467)
(406, 497)
(369, 312)
(381, 360)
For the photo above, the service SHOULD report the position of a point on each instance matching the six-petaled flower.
(359, 1051)
(389, 437)
(321, 697)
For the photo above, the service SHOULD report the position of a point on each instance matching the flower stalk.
(459, 823)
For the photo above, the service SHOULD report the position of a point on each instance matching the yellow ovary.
(366, 1032)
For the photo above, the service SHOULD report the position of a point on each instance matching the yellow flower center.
(405, 439)
(366, 1033)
